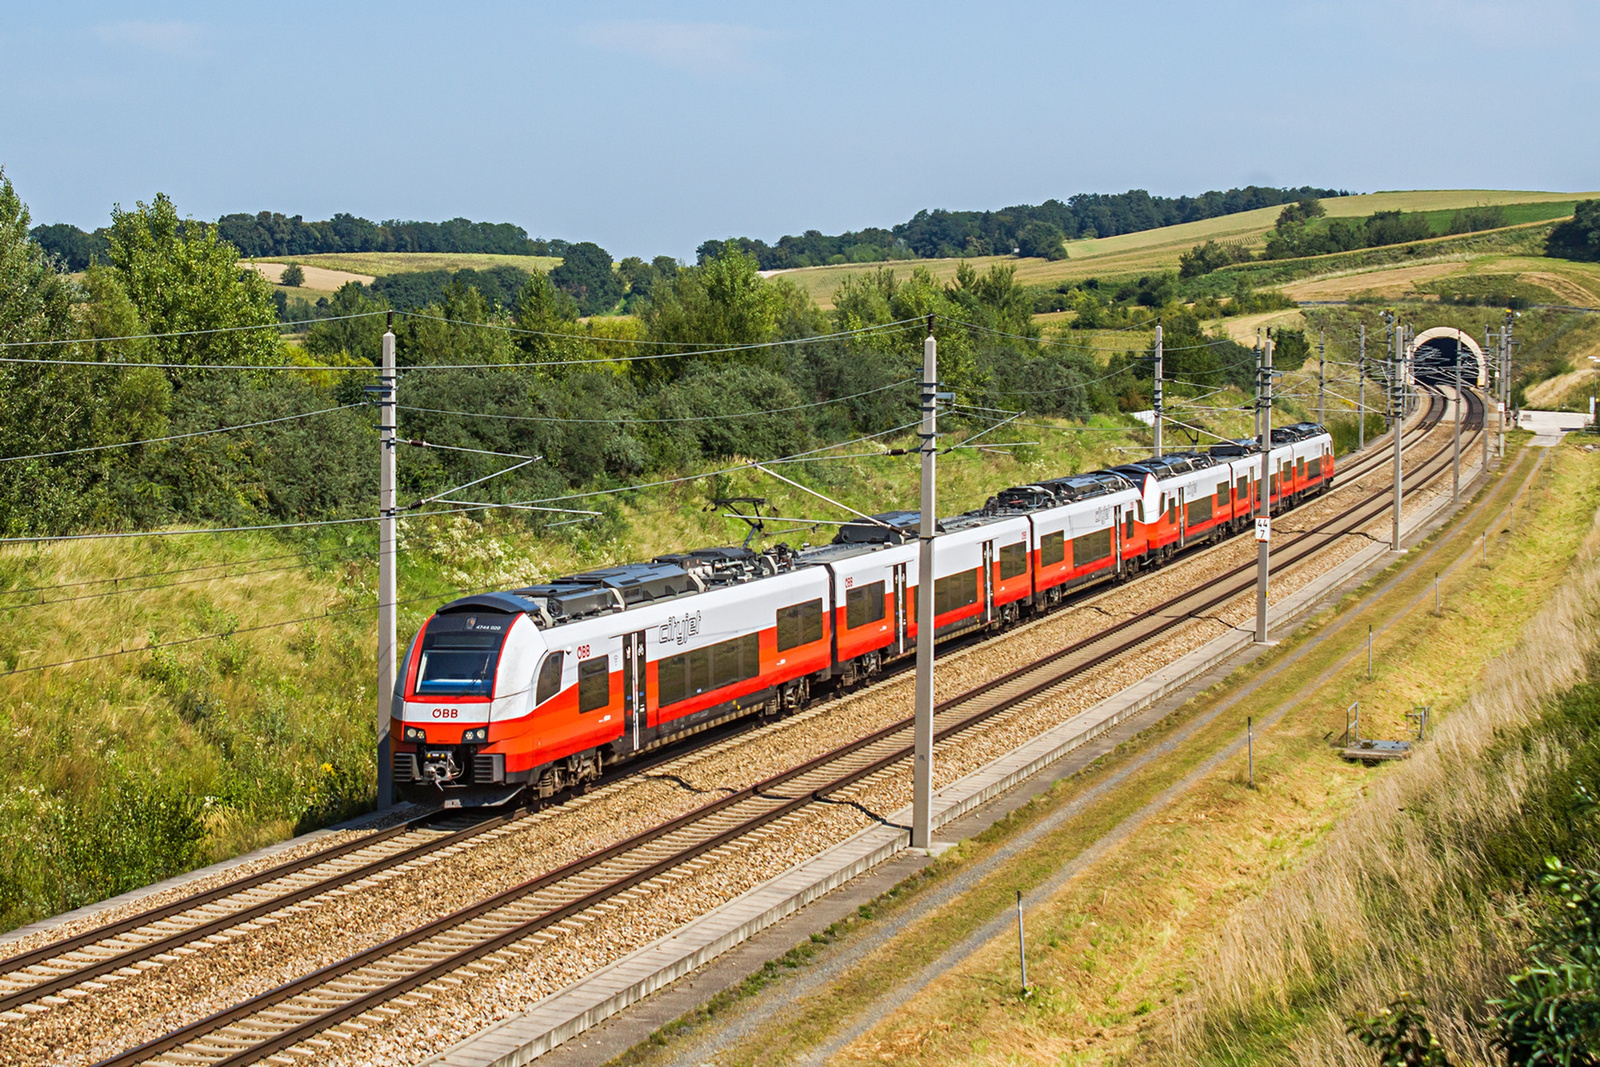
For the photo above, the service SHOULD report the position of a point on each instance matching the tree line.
(271, 233)
(599, 416)
(1025, 229)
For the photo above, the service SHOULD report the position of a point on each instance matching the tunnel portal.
(1437, 351)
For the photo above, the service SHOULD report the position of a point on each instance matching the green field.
(378, 263)
(1157, 250)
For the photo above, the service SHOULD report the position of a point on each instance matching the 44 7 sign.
(1264, 529)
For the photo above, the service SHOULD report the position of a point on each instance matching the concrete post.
(387, 581)
(922, 761)
(1264, 493)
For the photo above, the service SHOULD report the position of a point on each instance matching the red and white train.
(538, 689)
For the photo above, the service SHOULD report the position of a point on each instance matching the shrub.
(292, 276)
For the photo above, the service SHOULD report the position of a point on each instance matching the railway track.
(123, 946)
(523, 917)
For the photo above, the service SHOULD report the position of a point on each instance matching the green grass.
(379, 263)
(1106, 970)
(1128, 255)
(132, 767)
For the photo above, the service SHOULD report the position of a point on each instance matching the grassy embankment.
(1143, 879)
(1132, 254)
(131, 767)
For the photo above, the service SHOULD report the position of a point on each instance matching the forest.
(1026, 229)
(607, 401)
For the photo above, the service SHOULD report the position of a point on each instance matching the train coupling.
(439, 766)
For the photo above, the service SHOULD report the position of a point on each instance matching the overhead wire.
(175, 333)
(178, 436)
(505, 365)
(319, 523)
(680, 419)
(162, 574)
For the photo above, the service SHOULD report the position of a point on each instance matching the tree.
(74, 248)
(1301, 211)
(723, 302)
(353, 328)
(1400, 1035)
(1396, 227)
(1042, 239)
(1551, 1017)
(585, 274)
(292, 276)
(1205, 258)
(35, 301)
(183, 279)
(1578, 237)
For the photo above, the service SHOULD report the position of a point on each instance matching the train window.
(594, 683)
(959, 590)
(1127, 530)
(1222, 494)
(1013, 560)
(1314, 469)
(1242, 488)
(549, 677)
(689, 674)
(458, 664)
(1052, 549)
(1091, 547)
(799, 624)
(1199, 511)
(863, 604)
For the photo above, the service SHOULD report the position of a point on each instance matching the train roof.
(1243, 446)
(1168, 465)
(890, 528)
(1296, 431)
(1053, 492)
(628, 585)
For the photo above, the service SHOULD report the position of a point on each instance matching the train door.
(634, 707)
(1116, 539)
(988, 581)
(1183, 515)
(899, 608)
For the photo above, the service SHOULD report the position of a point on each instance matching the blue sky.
(649, 128)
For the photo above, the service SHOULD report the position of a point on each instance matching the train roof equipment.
(889, 528)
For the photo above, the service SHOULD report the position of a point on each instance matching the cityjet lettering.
(679, 630)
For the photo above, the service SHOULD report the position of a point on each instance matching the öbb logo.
(446, 713)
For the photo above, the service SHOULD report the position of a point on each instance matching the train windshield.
(458, 664)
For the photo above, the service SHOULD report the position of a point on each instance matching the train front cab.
(458, 701)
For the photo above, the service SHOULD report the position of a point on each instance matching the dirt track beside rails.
(210, 975)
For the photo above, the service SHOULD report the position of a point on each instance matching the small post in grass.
(1022, 947)
(1486, 548)
(1250, 746)
(1369, 652)
(1436, 592)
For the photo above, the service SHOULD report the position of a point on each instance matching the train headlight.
(416, 733)
(479, 734)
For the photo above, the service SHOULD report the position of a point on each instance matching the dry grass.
(321, 279)
(1394, 899)
(375, 263)
(1158, 250)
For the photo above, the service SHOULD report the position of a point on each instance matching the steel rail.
(362, 1003)
(10, 969)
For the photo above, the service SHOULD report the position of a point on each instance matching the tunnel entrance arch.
(1436, 352)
